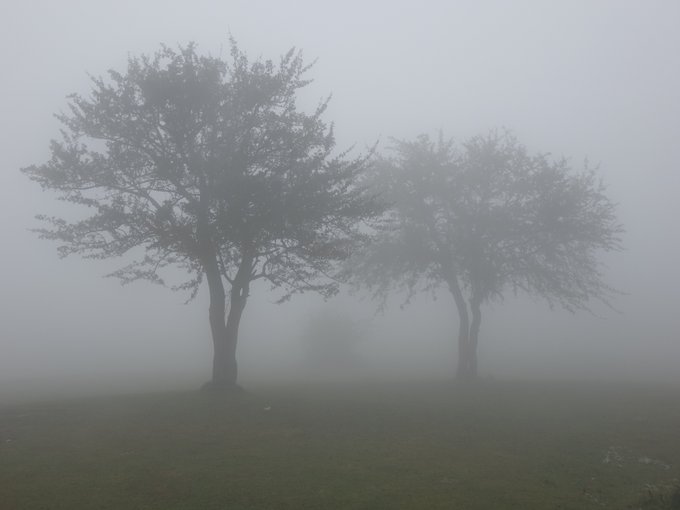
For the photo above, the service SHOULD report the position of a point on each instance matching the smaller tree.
(485, 218)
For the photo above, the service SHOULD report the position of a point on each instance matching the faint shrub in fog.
(331, 343)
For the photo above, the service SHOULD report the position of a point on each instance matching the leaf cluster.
(193, 159)
(491, 216)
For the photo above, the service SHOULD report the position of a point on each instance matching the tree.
(484, 219)
(207, 165)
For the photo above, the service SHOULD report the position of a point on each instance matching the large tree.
(206, 164)
(484, 218)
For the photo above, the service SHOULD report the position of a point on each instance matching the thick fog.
(596, 80)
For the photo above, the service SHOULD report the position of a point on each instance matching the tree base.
(222, 387)
(467, 378)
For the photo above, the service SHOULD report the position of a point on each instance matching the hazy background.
(579, 78)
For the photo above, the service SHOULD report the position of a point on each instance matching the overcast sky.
(595, 79)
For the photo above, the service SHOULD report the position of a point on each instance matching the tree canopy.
(483, 218)
(208, 165)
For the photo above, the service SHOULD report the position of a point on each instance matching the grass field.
(405, 446)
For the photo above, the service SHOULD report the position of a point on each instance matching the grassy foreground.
(429, 446)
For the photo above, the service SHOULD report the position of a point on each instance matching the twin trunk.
(468, 331)
(225, 338)
(225, 335)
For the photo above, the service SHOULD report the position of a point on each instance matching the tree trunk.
(465, 366)
(225, 336)
(475, 306)
(224, 362)
(225, 368)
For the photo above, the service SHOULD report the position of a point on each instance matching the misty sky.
(595, 79)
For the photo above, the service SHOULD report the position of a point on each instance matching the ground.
(497, 445)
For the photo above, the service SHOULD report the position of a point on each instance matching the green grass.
(430, 446)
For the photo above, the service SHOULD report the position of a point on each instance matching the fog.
(596, 80)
